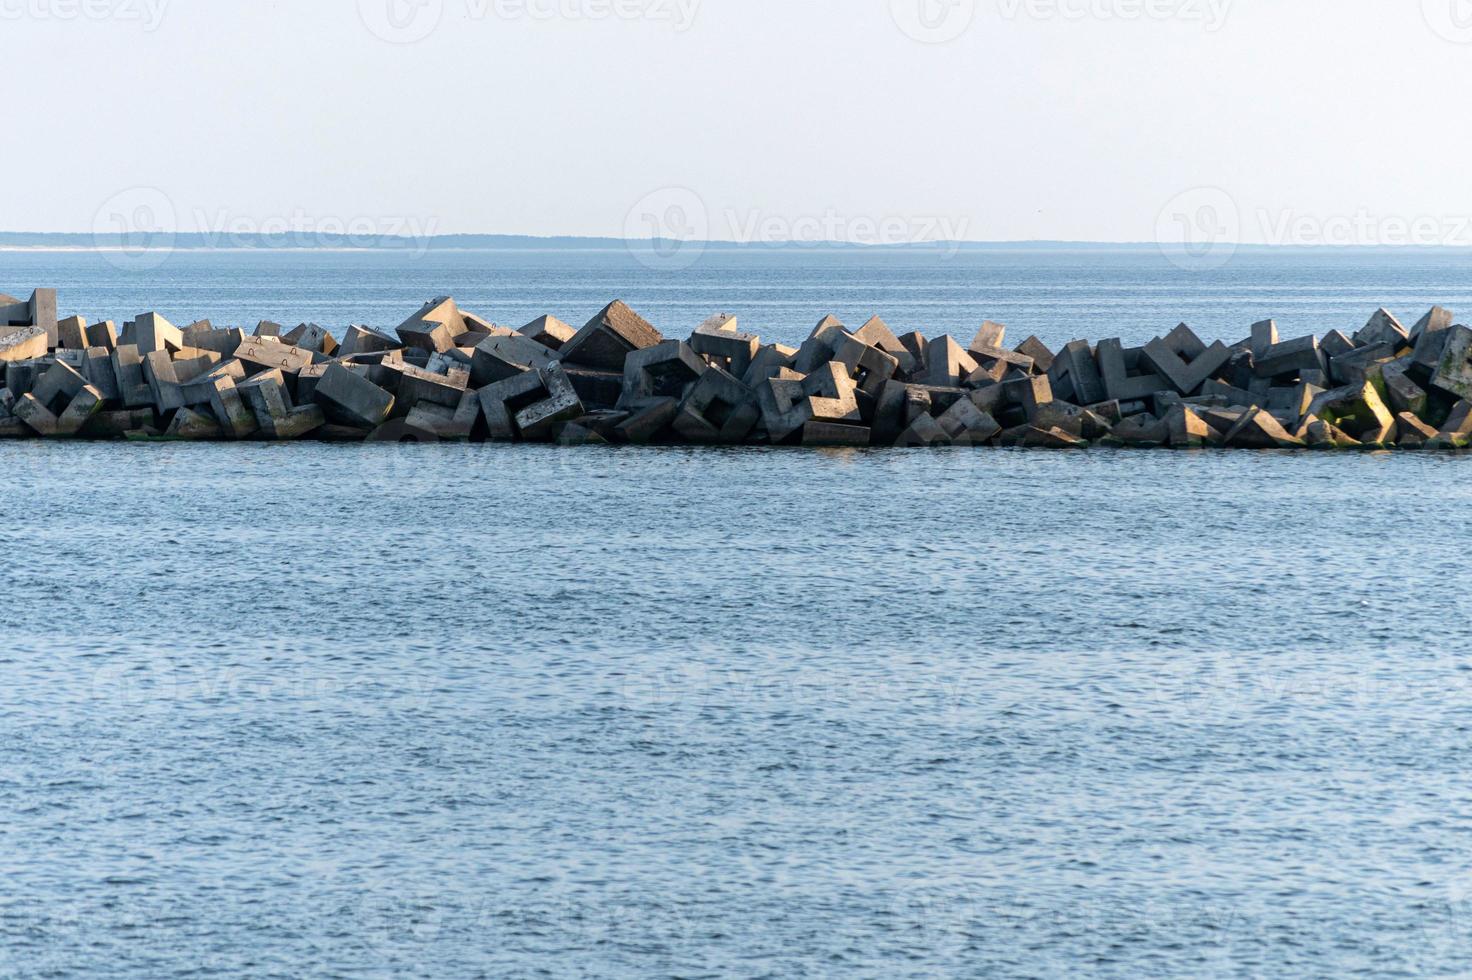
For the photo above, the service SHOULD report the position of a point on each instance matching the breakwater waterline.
(449, 374)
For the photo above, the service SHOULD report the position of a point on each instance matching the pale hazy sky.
(1107, 120)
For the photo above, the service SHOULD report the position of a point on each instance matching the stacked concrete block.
(610, 337)
(435, 327)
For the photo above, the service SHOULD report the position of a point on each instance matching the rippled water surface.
(516, 711)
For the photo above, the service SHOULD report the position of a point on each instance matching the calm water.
(514, 711)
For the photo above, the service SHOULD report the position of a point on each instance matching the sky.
(1260, 121)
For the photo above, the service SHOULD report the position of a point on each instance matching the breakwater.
(446, 373)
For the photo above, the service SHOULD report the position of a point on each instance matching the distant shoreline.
(313, 242)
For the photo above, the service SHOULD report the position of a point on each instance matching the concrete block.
(22, 343)
(163, 382)
(1028, 393)
(720, 404)
(870, 367)
(1412, 433)
(1185, 375)
(498, 358)
(717, 340)
(647, 424)
(1403, 394)
(500, 402)
(1383, 328)
(117, 424)
(1121, 382)
(1358, 410)
(965, 424)
(1452, 373)
(925, 431)
(598, 389)
(1290, 357)
(1436, 320)
(415, 385)
(561, 404)
(366, 340)
(35, 415)
(133, 387)
(1264, 336)
(267, 328)
(189, 424)
(43, 313)
(310, 336)
(607, 339)
(237, 420)
(818, 348)
(57, 386)
(435, 327)
(947, 363)
(1335, 344)
(835, 435)
(548, 331)
(224, 341)
(991, 335)
(71, 333)
(152, 332)
(769, 362)
(348, 398)
(1141, 431)
(265, 353)
(104, 334)
(97, 369)
(1077, 367)
(1036, 438)
(1361, 364)
(1257, 429)
(1037, 350)
(876, 333)
(665, 370)
(442, 421)
(1187, 429)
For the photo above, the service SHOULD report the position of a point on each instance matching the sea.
(316, 710)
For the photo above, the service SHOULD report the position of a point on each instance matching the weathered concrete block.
(1141, 431)
(650, 422)
(117, 424)
(1028, 393)
(835, 435)
(1187, 429)
(415, 385)
(991, 335)
(151, 332)
(598, 389)
(312, 337)
(1358, 410)
(718, 408)
(561, 404)
(71, 333)
(1290, 357)
(1264, 336)
(1437, 319)
(665, 370)
(37, 416)
(965, 424)
(1335, 344)
(870, 367)
(717, 340)
(876, 333)
(1185, 374)
(97, 369)
(1403, 394)
(1257, 429)
(1361, 364)
(925, 431)
(1383, 328)
(607, 339)
(548, 331)
(768, 363)
(947, 364)
(501, 401)
(350, 399)
(104, 334)
(127, 366)
(22, 343)
(498, 358)
(163, 382)
(435, 327)
(224, 341)
(265, 354)
(191, 425)
(818, 348)
(366, 340)
(1121, 380)
(237, 420)
(1037, 350)
(1412, 433)
(57, 386)
(1452, 373)
(1075, 371)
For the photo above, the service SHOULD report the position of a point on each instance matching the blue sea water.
(462, 711)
